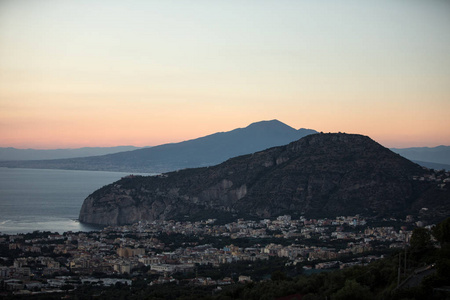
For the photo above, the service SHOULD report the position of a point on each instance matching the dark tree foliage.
(442, 232)
(278, 276)
(420, 240)
(352, 290)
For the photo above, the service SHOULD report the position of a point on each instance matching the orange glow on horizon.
(80, 74)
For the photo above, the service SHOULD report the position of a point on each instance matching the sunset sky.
(82, 73)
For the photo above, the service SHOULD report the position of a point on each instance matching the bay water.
(47, 200)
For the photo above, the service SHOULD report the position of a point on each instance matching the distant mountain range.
(204, 151)
(435, 157)
(323, 175)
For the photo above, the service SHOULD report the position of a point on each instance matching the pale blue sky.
(99, 73)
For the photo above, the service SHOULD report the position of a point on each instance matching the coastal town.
(171, 251)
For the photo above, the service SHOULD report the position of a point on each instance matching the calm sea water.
(47, 200)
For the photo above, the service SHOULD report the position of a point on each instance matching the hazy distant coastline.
(10, 153)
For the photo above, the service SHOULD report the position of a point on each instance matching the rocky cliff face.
(318, 175)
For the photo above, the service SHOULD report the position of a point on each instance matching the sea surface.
(47, 200)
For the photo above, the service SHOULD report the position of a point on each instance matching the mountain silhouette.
(205, 151)
(323, 175)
